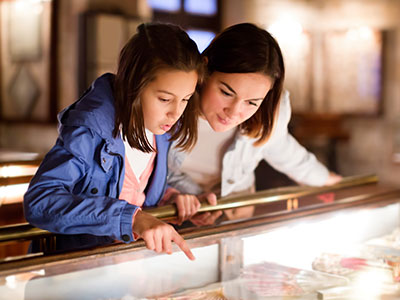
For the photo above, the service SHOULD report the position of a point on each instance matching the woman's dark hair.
(155, 46)
(246, 48)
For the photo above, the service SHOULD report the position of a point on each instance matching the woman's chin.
(218, 127)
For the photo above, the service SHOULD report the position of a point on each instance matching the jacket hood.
(94, 109)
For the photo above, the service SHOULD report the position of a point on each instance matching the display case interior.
(348, 248)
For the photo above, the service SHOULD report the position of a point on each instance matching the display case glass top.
(317, 251)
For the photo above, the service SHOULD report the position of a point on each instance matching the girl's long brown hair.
(155, 46)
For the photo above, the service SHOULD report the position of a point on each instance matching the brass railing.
(26, 231)
(267, 196)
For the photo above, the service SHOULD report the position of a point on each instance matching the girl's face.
(164, 99)
(229, 99)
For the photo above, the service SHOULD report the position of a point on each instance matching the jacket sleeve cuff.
(126, 223)
(135, 236)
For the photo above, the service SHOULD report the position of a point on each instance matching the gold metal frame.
(268, 196)
(26, 231)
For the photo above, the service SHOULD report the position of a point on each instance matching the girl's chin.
(157, 132)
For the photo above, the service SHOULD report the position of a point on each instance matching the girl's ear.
(205, 60)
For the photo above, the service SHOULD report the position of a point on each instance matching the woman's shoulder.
(284, 103)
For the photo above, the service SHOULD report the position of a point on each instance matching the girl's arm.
(158, 236)
(61, 197)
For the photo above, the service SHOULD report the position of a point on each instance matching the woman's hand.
(207, 218)
(239, 213)
(158, 235)
(187, 206)
(333, 178)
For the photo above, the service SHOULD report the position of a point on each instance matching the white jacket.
(281, 151)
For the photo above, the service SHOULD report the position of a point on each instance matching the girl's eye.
(163, 99)
(253, 103)
(186, 100)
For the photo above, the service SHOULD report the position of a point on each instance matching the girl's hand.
(158, 235)
(207, 218)
(333, 178)
(187, 206)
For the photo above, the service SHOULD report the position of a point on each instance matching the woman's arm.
(176, 178)
(285, 154)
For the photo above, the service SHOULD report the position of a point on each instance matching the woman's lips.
(223, 121)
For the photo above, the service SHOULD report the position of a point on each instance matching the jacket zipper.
(120, 169)
(166, 168)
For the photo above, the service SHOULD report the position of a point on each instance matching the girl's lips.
(166, 127)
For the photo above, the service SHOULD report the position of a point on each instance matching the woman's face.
(229, 99)
(165, 98)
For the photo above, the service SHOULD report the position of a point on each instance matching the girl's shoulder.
(94, 109)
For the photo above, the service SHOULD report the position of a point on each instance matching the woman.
(244, 116)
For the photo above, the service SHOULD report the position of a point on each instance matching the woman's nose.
(233, 110)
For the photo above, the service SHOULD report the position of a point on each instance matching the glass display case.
(346, 247)
(16, 170)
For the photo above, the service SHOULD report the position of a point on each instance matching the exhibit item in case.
(348, 248)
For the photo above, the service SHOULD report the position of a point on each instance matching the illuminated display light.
(14, 181)
(203, 7)
(286, 29)
(12, 193)
(168, 5)
(301, 242)
(15, 171)
(361, 33)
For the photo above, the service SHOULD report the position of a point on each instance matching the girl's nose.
(175, 112)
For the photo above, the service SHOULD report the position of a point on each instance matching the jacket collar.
(94, 109)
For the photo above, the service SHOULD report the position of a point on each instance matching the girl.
(111, 154)
(244, 117)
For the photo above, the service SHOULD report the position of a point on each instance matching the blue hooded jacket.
(76, 188)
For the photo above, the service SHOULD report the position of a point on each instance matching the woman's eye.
(163, 99)
(225, 93)
(253, 103)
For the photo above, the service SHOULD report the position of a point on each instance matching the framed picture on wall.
(297, 53)
(353, 71)
(104, 35)
(27, 83)
(396, 141)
